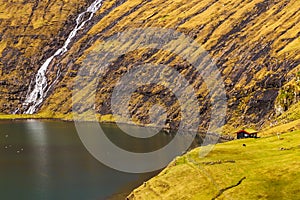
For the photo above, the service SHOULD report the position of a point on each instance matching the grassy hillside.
(266, 168)
(255, 45)
(29, 32)
(251, 42)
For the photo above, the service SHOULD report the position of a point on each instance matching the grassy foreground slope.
(266, 168)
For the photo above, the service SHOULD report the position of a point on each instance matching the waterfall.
(37, 95)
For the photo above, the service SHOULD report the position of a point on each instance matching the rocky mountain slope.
(255, 45)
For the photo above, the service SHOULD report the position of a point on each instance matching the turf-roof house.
(246, 133)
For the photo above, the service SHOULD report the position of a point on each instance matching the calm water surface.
(46, 160)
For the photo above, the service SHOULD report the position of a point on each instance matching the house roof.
(248, 130)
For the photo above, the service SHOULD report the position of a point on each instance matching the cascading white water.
(36, 96)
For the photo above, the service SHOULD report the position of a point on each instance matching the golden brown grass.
(269, 165)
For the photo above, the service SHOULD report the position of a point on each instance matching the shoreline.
(109, 119)
(105, 119)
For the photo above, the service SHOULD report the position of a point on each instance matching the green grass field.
(264, 168)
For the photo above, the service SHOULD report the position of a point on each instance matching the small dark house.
(246, 133)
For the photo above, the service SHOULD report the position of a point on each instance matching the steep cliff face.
(287, 104)
(255, 45)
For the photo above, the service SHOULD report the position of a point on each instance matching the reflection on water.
(46, 160)
(38, 138)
